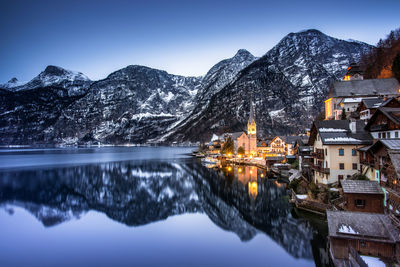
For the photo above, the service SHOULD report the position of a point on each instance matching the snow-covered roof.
(361, 225)
(352, 100)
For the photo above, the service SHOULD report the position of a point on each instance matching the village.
(345, 167)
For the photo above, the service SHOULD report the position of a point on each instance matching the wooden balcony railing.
(320, 169)
(318, 155)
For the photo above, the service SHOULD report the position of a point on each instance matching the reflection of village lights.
(240, 169)
(229, 154)
(251, 156)
(229, 168)
(251, 172)
(239, 156)
(262, 175)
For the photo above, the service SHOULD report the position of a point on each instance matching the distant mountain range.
(138, 104)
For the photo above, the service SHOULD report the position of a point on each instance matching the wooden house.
(368, 106)
(367, 233)
(385, 123)
(363, 196)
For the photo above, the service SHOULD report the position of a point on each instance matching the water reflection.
(237, 199)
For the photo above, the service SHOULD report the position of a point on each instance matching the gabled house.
(362, 233)
(385, 123)
(358, 89)
(362, 196)
(381, 162)
(368, 106)
(335, 146)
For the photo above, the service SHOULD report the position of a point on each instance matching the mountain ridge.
(139, 104)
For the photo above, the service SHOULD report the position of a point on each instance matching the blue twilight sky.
(182, 37)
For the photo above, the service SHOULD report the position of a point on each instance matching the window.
(326, 152)
(396, 135)
(360, 203)
(379, 135)
(354, 166)
(341, 166)
(388, 135)
(354, 152)
(383, 135)
(341, 152)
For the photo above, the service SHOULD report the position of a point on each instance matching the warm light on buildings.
(253, 189)
(240, 170)
(229, 168)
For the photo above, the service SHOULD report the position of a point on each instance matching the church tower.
(252, 130)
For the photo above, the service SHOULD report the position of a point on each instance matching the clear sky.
(182, 37)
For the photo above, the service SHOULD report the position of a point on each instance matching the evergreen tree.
(396, 67)
(228, 147)
(343, 117)
(241, 151)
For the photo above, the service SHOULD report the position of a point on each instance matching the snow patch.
(346, 229)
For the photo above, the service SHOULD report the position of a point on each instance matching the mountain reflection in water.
(237, 199)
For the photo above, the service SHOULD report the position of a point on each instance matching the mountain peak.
(13, 80)
(55, 70)
(243, 53)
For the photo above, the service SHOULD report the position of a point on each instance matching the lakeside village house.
(278, 149)
(360, 136)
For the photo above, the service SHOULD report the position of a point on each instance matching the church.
(247, 141)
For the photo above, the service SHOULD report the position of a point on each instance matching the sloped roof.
(363, 224)
(369, 87)
(290, 139)
(334, 132)
(235, 135)
(361, 187)
(372, 102)
(392, 114)
(391, 143)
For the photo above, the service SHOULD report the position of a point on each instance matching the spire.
(252, 113)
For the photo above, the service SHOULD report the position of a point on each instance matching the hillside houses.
(335, 145)
(347, 95)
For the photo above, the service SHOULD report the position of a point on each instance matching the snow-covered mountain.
(138, 104)
(288, 84)
(75, 82)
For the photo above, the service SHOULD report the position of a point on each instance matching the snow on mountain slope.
(292, 80)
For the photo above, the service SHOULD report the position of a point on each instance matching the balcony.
(367, 162)
(318, 155)
(320, 169)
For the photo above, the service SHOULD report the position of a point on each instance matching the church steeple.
(251, 124)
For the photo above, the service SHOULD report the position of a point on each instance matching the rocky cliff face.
(139, 104)
(288, 85)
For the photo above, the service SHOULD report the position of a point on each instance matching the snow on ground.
(373, 261)
(346, 229)
(214, 138)
(301, 196)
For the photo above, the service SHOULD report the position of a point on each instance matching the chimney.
(353, 126)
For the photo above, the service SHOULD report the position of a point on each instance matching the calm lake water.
(147, 206)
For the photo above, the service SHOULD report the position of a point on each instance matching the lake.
(147, 206)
